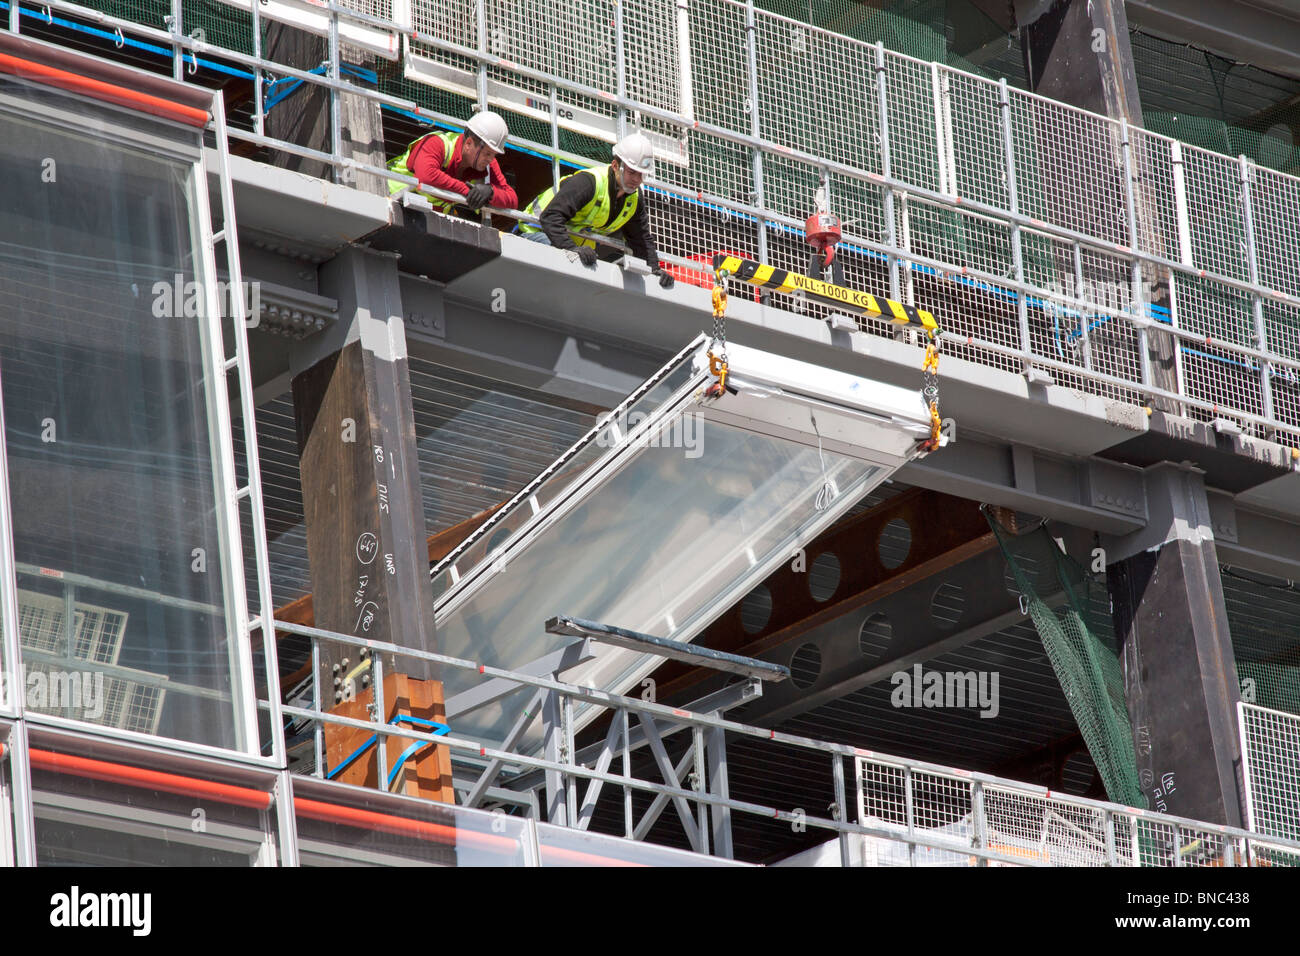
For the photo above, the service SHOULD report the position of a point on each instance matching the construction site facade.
(934, 501)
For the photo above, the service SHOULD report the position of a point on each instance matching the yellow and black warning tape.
(781, 280)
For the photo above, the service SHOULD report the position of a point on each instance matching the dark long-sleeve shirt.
(578, 190)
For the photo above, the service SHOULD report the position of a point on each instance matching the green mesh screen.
(1264, 620)
(1079, 642)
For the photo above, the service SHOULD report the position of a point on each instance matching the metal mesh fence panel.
(964, 239)
(1282, 327)
(1154, 193)
(1225, 379)
(861, 206)
(789, 187)
(651, 53)
(913, 139)
(453, 21)
(971, 120)
(817, 92)
(882, 792)
(720, 64)
(717, 167)
(687, 227)
(939, 800)
(1069, 168)
(1275, 199)
(1043, 830)
(1271, 753)
(1214, 212)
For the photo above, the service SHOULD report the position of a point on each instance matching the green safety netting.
(1078, 638)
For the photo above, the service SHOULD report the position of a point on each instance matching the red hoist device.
(823, 231)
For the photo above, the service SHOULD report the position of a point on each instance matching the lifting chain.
(930, 390)
(718, 360)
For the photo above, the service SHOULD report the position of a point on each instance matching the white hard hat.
(491, 129)
(636, 153)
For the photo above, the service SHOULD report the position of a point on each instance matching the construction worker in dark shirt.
(606, 200)
(464, 164)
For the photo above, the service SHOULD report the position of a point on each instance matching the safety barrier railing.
(908, 812)
(1120, 262)
(1270, 758)
(1032, 825)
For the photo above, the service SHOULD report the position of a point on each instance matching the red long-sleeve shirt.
(426, 165)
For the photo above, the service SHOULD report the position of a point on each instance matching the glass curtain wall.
(125, 618)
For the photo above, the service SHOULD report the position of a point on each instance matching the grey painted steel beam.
(494, 336)
(554, 663)
(667, 649)
(1255, 540)
(1090, 493)
(1263, 33)
(521, 724)
(673, 777)
(588, 807)
(720, 786)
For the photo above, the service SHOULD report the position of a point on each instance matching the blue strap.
(439, 730)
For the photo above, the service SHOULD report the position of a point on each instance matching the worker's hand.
(666, 281)
(584, 254)
(479, 196)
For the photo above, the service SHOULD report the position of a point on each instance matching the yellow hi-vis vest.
(594, 215)
(448, 151)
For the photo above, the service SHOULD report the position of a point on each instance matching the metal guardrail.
(1123, 263)
(909, 812)
(1024, 825)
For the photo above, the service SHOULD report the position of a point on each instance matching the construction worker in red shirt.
(464, 164)
(606, 200)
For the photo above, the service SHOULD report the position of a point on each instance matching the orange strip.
(74, 82)
(436, 832)
(583, 859)
(401, 826)
(152, 779)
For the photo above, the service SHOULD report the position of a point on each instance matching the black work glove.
(666, 281)
(584, 254)
(479, 196)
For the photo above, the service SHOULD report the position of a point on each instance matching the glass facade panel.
(6, 799)
(100, 813)
(561, 846)
(104, 360)
(343, 826)
(654, 549)
(628, 415)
